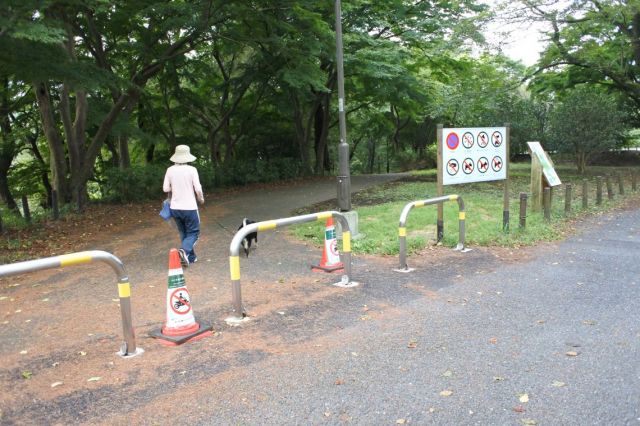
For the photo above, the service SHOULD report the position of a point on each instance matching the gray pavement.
(546, 335)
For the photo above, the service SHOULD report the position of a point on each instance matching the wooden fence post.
(609, 187)
(567, 200)
(547, 203)
(523, 210)
(585, 193)
(598, 190)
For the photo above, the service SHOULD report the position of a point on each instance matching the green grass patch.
(379, 211)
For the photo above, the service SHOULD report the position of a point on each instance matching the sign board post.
(542, 174)
(473, 154)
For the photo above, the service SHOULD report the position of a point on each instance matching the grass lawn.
(379, 211)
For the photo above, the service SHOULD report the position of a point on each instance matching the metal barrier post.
(402, 228)
(128, 348)
(236, 242)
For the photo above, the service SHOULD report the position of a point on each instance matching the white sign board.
(474, 154)
(547, 165)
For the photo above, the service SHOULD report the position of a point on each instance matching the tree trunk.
(57, 162)
(302, 135)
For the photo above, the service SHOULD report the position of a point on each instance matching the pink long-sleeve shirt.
(183, 182)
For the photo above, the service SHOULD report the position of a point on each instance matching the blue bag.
(165, 211)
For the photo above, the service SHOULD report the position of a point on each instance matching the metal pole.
(585, 193)
(505, 207)
(440, 187)
(344, 178)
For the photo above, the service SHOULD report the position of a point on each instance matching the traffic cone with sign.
(180, 325)
(330, 261)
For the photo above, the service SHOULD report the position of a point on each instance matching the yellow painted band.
(75, 259)
(323, 215)
(462, 216)
(234, 265)
(418, 204)
(346, 241)
(267, 225)
(453, 197)
(124, 290)
(402, 232)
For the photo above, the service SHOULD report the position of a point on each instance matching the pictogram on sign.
(467, 166)
(496, 163)
(180, 301)
(453, 141)
(496, 139)
(483, 164)
(467, 140)
(483, 139)
(453, 167)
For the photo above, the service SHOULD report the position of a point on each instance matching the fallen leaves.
(528, 422)
(413, 343)
(339, 382)
(519, 409)
(446, 392)
(26, 375)
(94, 379)
(558, 384)
(523, 397)
(56, 384)
(571, 353)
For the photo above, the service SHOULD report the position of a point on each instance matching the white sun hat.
(182, 155)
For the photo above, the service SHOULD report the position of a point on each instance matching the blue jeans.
(188, 223)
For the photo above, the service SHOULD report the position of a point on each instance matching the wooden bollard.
(634, 181)
(25, 209)
(620, 184)
(546, 201)
(523, 210)
(1, 226)
(609, 187)
(598, 190)
(585, 193)
(567, 200)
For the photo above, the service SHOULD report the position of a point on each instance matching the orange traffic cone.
(330, 261)
(180, 325)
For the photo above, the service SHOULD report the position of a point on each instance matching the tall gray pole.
(344, 178)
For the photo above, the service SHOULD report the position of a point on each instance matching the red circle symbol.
(496, 163)
(179, 301)
(483, 164)
(467, 140)
(453, 167)
(467, 166)
(452, 141)
(483, 139)
(334, 247)
(496, 139)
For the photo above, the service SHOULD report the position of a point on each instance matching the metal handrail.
(128, 348)
(234, 252)
(402, 229)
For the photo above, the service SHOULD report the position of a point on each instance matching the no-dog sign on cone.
(180, 325)
(330, 261)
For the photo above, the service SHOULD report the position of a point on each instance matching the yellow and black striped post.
(236, 243)
(128, 348)
(402, 228)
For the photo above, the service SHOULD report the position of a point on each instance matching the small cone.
(180, 325)
(330, 261)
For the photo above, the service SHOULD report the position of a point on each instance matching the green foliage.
(138, 183)
(587, 122)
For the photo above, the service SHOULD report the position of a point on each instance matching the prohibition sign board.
(468, 153)
(179, 301)
(334, 247)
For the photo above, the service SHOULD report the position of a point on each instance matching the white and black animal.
(253, 236)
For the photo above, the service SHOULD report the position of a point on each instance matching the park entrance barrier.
(236, 243)
(128, 348)
(402, 229)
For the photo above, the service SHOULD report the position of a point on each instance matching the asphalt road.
(548, 335)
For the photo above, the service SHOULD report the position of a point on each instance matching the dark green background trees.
(96, 94)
